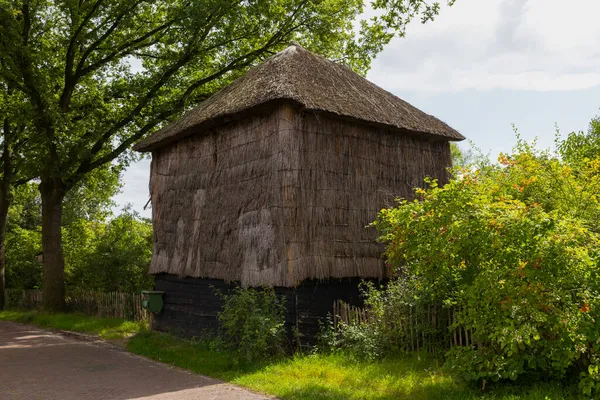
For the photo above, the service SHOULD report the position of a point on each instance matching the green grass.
(336, 376)
(300, 377)
(106, 328)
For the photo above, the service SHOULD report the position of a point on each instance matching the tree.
(12, 171)
(100, 74)
(116, 256)
(457, 155)
(86, 210)
(5, 185)
(579, 146)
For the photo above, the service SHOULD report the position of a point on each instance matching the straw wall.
(337, 176)
(282, 196)
(214, 213)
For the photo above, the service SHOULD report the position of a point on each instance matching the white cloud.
(536, 45)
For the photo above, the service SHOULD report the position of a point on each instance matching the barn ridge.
(313, 82)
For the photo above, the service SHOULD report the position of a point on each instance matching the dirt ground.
(37, 364)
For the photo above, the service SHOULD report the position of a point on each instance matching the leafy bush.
(363, 341)
(516, 248)
(23, 271)
(358, 341)
(112, 256)
(252, 323)
(100, 254)
(393, 313)
(24, 239)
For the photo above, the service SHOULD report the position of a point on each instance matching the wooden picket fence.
(108, 305)
(349, 315)
(431, 329)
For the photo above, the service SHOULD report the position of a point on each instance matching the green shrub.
(100, 254)
(393, 313)
(362, 341)
(110, 256)
(358, 341)
(515, 247)
(252, 323)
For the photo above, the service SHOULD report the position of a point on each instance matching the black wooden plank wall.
(191, 304)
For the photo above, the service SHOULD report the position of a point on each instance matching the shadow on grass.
(107, 328)
(191, 355)
(335, 376)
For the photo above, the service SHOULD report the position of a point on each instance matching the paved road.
(36, 364)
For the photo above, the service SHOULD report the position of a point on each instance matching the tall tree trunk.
(5, 198)
(53, 193)
(4, 204)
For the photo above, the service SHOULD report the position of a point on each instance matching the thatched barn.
(273, 180)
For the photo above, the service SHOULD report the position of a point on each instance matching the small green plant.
(326, 339)
(252, 323)
(361, 341)
(396, 319)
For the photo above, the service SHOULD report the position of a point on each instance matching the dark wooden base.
(191, 305)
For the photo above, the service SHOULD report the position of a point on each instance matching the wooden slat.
(112, 304)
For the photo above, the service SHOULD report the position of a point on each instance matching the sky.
(483, 66)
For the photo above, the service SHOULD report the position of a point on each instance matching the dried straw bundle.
(282, 196)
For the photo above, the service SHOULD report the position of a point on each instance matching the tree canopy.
(97, 75)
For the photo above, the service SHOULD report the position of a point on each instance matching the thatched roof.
(314, 83)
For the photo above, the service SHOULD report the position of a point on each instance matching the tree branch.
(70, 59)
(71, 78)
(106, 34)
(43, 122)
(26, 22)
(6, 156)
(88, 165)
(123, 50)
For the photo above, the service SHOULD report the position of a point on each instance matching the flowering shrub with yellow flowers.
(514, 247)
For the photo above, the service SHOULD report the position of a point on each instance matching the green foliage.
(396, 317)
(392, 309)
(103, 255)
(370, 340)
(106, 328)
(579, 146)
(115, 257)
(458, 158)
(24, 239)
(23, 270)
(515, 247)
(252, 323)
(360, 341)
(91, 198)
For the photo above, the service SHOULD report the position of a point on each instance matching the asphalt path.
(38, 364)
